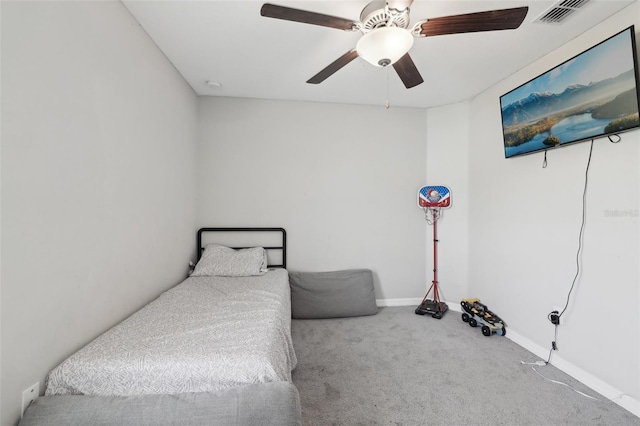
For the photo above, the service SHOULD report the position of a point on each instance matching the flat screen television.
(592, 95)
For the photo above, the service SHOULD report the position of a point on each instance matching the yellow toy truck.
(475, 313)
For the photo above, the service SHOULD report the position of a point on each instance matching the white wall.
(448, 165)
(99, 176)
(98, 180)
(0, 216)
(342, 179)
(524, 225)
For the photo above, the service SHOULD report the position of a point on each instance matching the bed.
(226, 328)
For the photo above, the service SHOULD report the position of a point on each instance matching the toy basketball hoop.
(432, 199)
(434, 196)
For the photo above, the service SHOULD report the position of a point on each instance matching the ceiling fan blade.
(503, 19)
(333, 67)
(408, 72)
(297, 15)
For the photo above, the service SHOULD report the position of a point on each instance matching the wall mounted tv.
(591, 95)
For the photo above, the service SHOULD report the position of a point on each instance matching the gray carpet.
(399, 368)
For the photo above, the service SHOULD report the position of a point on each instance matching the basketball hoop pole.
(432, 205)
(434, 306)
(436, 294)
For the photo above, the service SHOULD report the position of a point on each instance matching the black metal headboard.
(282, 246)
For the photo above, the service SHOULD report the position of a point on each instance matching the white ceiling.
(257, 57)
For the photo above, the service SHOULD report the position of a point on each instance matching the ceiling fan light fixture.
(384, 46)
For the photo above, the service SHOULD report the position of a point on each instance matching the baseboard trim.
(398, 302)
(625, 401)
(454, 306)
(412, 302)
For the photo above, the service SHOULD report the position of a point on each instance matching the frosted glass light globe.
(384, 46)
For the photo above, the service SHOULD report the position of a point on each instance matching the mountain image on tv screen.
(591, 95)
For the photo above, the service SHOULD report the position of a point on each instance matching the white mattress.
(206, 334)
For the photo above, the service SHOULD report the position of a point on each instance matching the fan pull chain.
(387, 104)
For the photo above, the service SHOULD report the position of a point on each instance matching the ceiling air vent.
(560, 11)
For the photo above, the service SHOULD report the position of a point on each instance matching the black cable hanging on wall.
(555, 316)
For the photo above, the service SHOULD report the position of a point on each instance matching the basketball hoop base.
(433, 308)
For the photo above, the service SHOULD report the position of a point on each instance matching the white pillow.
(224, 261)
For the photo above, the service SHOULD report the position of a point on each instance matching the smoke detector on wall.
(560, 11)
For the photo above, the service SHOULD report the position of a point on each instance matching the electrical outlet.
(29, 395)
(554, 316)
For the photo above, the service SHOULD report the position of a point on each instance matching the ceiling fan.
(387, 38)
